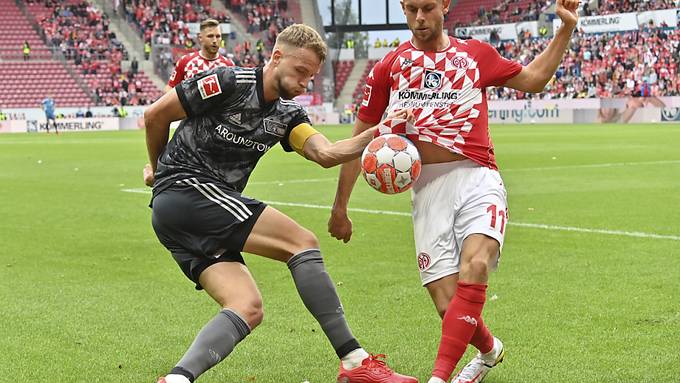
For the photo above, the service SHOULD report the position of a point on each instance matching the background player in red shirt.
(191, 64)
(459, 201)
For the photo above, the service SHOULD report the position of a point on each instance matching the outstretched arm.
(157, 119)
(537, 74)
(320, 150)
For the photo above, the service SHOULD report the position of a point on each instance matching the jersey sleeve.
(202, 93)
(178, 73)
(376, 93)
(494, 69)
(299, 118)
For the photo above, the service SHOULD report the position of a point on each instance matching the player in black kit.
(231, 118)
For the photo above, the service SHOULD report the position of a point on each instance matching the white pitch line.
(594, 166)
(634, 234)
(296, 181)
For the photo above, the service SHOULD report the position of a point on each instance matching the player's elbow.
(152, 115)
(148, 117)
(321, 151)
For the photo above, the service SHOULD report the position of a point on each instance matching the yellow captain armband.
(299, 135)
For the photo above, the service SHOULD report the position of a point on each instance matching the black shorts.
(202, 224)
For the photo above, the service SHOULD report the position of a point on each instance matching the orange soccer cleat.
(373, 370)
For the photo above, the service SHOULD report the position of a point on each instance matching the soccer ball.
(390, 164)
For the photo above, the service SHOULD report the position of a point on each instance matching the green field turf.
(588, 289)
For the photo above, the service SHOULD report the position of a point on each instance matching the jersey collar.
(259, 85)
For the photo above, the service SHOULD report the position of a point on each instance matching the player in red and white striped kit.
(206, 58)
(459, 202)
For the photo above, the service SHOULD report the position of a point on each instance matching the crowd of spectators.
(80, 31)
(638, 63)
(623, 6)
(514, 11)
(121, 87)
(509, 11)
(168, 19)
(264, 18)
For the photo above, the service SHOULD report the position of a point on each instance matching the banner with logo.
(531, 116)
(74, 124)
(670, 115)
(505, 31)
(607, 23)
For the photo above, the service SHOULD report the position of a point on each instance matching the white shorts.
(451, 201)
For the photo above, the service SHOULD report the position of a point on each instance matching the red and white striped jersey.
(446, 91)
(192, 64)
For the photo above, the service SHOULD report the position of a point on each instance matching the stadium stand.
(15, 30)
(80, 57)
(605, 65)
(359, 89)
(26, 84)
(487, 12)
(265, 18)
(623, 6)
(342, 69)
(168, 18)
(81, 31)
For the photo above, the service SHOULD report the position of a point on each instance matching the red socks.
(482, 338)
(462, 324)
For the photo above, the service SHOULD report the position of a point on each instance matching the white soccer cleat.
(476, 370)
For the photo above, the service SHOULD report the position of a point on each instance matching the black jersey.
(228, 128)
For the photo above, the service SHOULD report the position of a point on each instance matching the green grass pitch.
(588, 289)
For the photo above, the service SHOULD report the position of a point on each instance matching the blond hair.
(303, 36)
(209, 23)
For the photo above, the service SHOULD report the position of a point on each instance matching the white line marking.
(634, 234)
(300, 181)
(594, 166)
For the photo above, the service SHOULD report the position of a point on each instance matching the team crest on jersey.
(235, 118)
(460, 62)
(274, 128)
(209, 86)
(432, 80)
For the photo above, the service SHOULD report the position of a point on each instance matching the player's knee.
(305, 241)
(251, 311)
(475, 268)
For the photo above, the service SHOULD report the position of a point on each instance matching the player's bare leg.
(279, 237)
(462, 322)
(233, 288)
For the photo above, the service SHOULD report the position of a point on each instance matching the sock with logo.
(213, 343)
(458, 327)
(317, 291)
